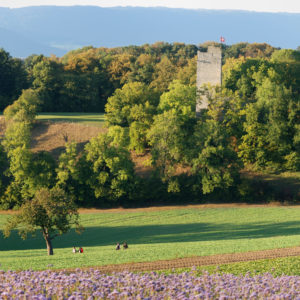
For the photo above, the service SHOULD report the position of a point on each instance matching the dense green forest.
(83, 79)
(149, 96)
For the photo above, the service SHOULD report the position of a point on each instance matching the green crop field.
(275, 266)
(95, 119)
(156, 235)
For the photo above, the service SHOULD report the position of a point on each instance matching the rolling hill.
(58, 29)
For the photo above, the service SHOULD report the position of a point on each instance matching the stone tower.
(209, 70)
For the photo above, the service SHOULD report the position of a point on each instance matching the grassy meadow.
(93, 119)
(157, 235)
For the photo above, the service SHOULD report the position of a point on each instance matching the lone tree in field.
(53, 211)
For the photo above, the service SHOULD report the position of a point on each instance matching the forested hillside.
(149, 94)
(83, 79)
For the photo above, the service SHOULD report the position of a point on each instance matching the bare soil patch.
(189, 262)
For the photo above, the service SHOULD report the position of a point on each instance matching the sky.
(254, 5)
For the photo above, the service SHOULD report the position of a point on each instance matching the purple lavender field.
(91, 284)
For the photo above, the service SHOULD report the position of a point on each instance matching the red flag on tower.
(222, 39)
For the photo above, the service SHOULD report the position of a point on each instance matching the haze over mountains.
(56, 30)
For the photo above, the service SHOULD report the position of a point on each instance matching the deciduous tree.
(111, 169)
(53, 211)
(215, 163)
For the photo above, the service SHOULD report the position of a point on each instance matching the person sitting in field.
(74, 250)
(125, 246)
(81, 250)
(118, 246)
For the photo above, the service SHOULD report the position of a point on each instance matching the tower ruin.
(209, 70)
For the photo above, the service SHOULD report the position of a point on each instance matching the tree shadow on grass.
(150, 234)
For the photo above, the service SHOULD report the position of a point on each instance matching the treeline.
(83, 79)
(252, 121)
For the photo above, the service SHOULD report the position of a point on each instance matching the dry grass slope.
(52, 136)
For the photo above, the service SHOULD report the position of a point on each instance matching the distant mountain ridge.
(57, 29)
(21, 46)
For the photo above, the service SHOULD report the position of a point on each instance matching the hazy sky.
(256, 5)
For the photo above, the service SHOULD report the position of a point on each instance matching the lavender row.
(91, 284)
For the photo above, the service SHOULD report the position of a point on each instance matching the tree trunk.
(49, 244)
